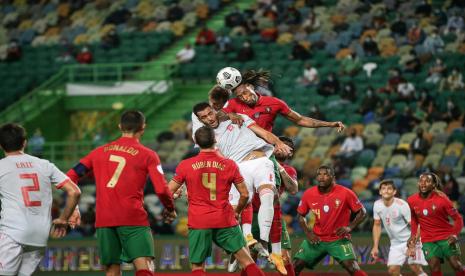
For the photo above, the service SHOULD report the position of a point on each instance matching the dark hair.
(132, 121)
(387, 182)
(329, 169)
(288, 141)
(436, 180)
(256, 78)
(205, 137)
(219, 94)
(199, 107)
(12, 137)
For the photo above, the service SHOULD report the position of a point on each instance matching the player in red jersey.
(211, 218)
(431, 210)
(332, 205)
(121, 168)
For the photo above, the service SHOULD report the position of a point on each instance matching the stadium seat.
(454, 149)
(397, 160)
(391, 139)
(438, 128)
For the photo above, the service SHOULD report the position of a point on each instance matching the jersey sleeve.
(413, 220)
(352, 200)
(247, 121)
(179, 175)
(284, 109)
(405, 211)
(159, 181)
(229, 106)
(454, 214)
(376, 210)
(82, 168)
(303, 205)
(291, 172)
(57, 177)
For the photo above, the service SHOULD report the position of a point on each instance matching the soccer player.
(121, 168)
(332, 205)
(209, 177)
(431, 210)
(395, 215)
(26, 199)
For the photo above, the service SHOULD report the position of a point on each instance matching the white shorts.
(256, 172)
(18, 259)
(398, 255)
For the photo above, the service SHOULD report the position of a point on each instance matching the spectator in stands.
(454, 23)
(415, 35)
(433, 43)
(316, 113)
(349, 92)
(369, 102)
(412, 63)
(292, 16)
(119, 16)
(205, 37)
(84, 56)
(223, 43)
(450, 186)
(309, 77)
(299, 52)
(67, 51)
(405, 90)
(246, 52)
(370, 47)
(186, 54)
(406, 121)
(424, 98)
(399, 27)
(352, 145)
(452, 113)
(386, 115)
(419, 145)
(350, 65)
(14, 51)
(423, 9)
(36, 143)
(311, 23)
(453, 82)
(175, 12)
(329, 86)
(235, 18)
(393, 82)
(110, 40)
(436, 71)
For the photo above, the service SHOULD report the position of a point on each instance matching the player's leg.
(10, 255)
(343, 251)
(452, 255)
(416, 263)
(246, 216)
(286, 249)
(396, 258)
(200, 247)
(30, 260)
(110, 250)
(138, 248)
(434, 256)
(308, 255)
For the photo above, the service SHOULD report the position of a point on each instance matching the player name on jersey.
(115, 147)
(208, 164)
(24, 165)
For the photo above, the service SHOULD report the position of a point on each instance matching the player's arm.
(270, 138)
(360, 216)
(290, 183)
(304, 121)
(61, 223)
(302, 212)
(357, 208)
(456, 217)
(244, 197)
(376, 237)
(175, 188)
(161, 188)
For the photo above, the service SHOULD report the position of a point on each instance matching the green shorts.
(285, 239)
(312, 254)
(440, 249)
(229, 239)
(277, 175)
(124, 244)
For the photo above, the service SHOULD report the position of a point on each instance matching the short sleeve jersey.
(121, 169)
(208, 177)
(331, 210)
(264, 112)
(433, 214)
(26, 197)
(395, 218)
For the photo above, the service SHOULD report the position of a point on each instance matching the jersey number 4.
(209, 182)
(119, 169)
(34, 188)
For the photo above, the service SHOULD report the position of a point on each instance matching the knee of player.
(457, 265)
(415, 268)
(299, 265)
(394, 270)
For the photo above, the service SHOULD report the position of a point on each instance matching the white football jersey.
(395, 218)
(26, 197)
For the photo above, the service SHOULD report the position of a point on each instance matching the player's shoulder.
(400, 202)
(378, 204)
(312, 191)
(341, 189)
(441, 195)
(413, 198)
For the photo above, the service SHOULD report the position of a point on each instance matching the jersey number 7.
(34, 188)
(119, 169)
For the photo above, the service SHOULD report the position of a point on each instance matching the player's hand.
(411, 242)
(312, 238)
(236, 119)
(178, 193)
(452, 239)
(339, 125)
(75, 218)
(169, 216)
(59, 228)
(411, 252)
(343, 231)
(281, 147)
(375, 253)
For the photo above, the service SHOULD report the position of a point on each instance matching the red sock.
(243, 272)
(198, 272)
(290, 270)
(253, 270)
(276, 226)
(144, 272)
(460, 273)
(360, 273)
(436, 273)
(247, 214)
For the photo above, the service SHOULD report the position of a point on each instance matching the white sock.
(247, 229)
(265, 213)
(423, 274)
(276, 248)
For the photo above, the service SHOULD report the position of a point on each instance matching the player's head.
(387, 189)
(282, 156)
(206, 114)
(132, 122)
(205, 137)
(427, 182)
(245, 91)
(218, 97)
(12, 137)
(325, 176)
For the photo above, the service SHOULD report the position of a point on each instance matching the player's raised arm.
(61, 223)
(270, 138)
(304, 121)
(290, 183)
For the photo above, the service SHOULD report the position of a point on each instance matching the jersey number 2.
(34, 188)
(121, 163)
(209, 182)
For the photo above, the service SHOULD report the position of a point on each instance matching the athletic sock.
(247, 214)
(360, 273)
(290, 270)
(276, 248)
(144, 272)
(246, 229)
(436, 273)
(253, 270)
(276, 225)
(460, 273)
(265, 213)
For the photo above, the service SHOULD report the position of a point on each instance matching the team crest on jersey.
(425, 212)
(433, 207)
(326, 208)
(337, 202)
(256, 115)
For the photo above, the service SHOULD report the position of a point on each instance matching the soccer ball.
(228, 78)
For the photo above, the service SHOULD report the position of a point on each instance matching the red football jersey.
(208, 177)
(331, 210)
(432, 214)
(291, 172)
(264, 112)
(120, 169)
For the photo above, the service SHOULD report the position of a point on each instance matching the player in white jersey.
(26, 199)
(241, 144)
(395, 216)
